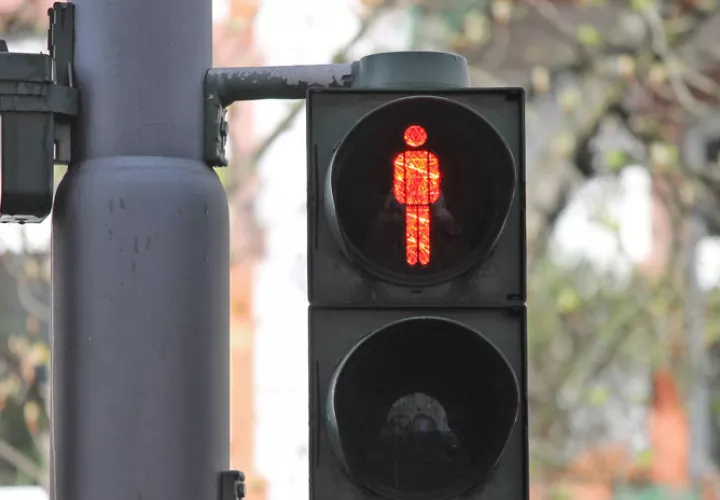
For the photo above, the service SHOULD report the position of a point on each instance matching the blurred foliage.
(653, 493)
(586, 326)
(610, 84)
(24, 366)
(224, 175)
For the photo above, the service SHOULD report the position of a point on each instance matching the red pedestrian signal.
(419, 190)
(416, 184)
(416, 284)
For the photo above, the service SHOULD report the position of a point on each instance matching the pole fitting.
(224, 86)
(232, 485)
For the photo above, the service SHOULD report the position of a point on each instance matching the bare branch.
(19, 19)
(29, 302)
(279, 130)
(565, 182)
(339, 56)
(17, 459)
(495, 57)
(662, 47)
(550, 12)
(698, 80)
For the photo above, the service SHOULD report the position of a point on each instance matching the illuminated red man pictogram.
(416, 185)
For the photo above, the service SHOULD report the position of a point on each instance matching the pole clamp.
(232, 485)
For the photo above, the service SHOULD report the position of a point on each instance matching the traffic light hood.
(421, 409)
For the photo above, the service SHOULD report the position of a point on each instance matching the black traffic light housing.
(37, 104)
(417, 372)
(349, 456)
(486, 122)
(26, 166)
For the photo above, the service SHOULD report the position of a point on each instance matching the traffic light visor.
(421, 409)
(419, 189)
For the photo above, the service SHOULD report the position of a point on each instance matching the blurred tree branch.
(21, 18)
(242, 188)
(24, 355)
(576, 347)
(14, 266)
(18, 459)
(557, 183)
(340, 56)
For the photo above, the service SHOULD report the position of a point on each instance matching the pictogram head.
(415, 136)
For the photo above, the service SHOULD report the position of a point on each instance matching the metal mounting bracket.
(43, 83)
(38, 104)
(61, 44)
(232, 485)
(416, 70)
(224, 86)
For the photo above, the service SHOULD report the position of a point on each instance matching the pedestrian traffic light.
(37, 104)
(416, 284)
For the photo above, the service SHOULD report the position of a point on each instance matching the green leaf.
(570, 98)
(540, 78)
(560, 494)
(644, 458)
(476, 27)
(587, 34)
(607, 221)
(502, 11)
(568, 300)
(598, 396)
(641, 5)
(616, 160)
(223, 174)
(664, 155)
(707, 5)
(563, 143)
(659, 306)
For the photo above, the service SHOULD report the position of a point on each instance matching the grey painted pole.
(140, 256)
(696, 142)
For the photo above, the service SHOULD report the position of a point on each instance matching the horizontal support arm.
(279, 82)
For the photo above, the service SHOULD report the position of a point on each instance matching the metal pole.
(140, 262)
(699, 399)
(700, 433)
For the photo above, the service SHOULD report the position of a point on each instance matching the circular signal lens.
(422, 410)
(419, 190)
